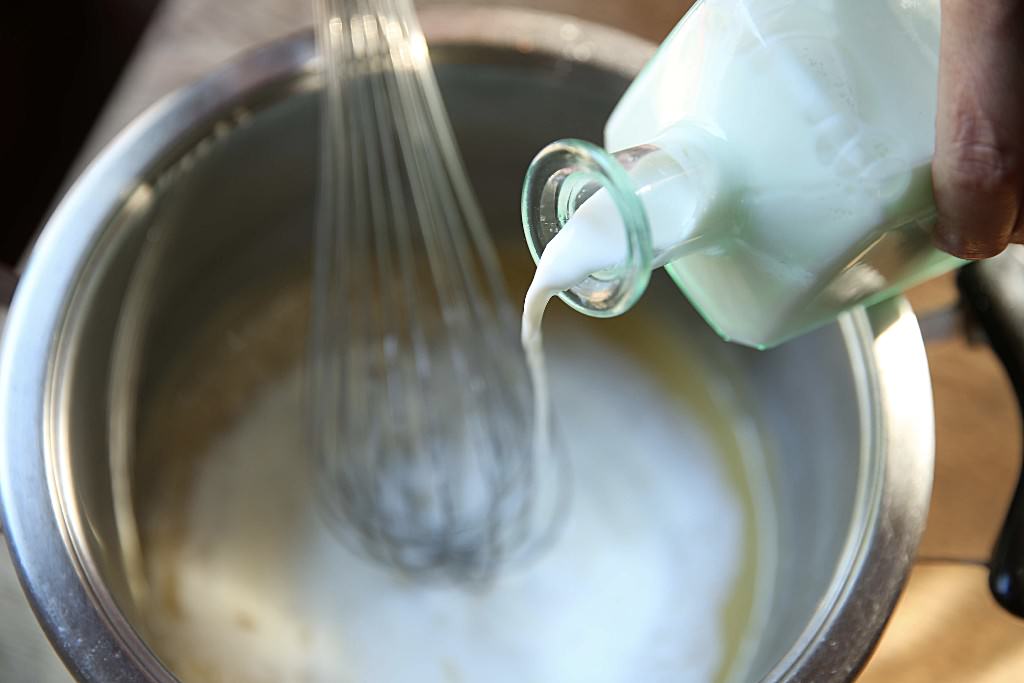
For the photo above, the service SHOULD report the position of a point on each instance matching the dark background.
(59, 60)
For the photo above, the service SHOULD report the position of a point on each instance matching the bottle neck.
(598, 223)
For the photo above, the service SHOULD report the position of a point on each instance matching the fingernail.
(952, 242)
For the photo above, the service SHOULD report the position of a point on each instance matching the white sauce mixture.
(254, 587)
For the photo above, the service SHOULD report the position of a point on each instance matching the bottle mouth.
(560, 179)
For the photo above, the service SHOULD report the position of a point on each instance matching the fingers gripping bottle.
(774, 158)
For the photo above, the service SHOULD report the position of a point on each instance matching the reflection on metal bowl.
(225, 170)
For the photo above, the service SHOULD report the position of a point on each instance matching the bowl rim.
(39, 511)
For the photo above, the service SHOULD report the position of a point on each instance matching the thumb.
(979, 127)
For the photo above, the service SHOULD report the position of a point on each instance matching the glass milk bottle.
(775, 160)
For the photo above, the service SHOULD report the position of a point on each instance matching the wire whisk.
(430, 456)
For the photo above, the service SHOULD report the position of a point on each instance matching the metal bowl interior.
(218, 183)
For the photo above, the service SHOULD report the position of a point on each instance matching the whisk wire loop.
(420, 404)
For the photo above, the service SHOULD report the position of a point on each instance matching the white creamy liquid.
(659, 539)
(594, 239)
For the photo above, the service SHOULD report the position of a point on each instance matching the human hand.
(978, 169)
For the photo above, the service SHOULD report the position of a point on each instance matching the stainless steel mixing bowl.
(225, 170)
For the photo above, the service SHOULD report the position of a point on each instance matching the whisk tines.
(421, 407)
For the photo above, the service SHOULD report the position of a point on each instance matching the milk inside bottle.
(773, 156)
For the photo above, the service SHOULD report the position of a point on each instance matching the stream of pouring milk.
(565, 263)
(594, 239)
(641, 585)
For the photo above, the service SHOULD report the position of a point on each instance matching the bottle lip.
(559, 179)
